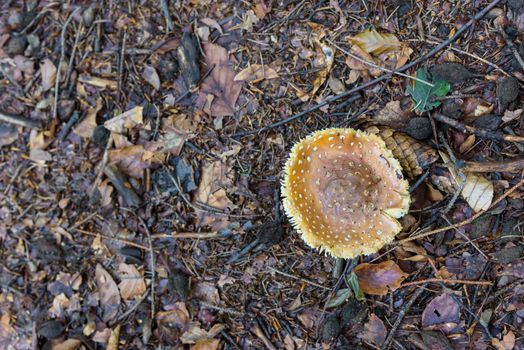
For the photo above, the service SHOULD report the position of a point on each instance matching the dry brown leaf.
(98, 82)
(220, 83)
(114, 338)
(467, 144)
(261, 9)
(376, 43)
(441, 313)
(132, 282)
(216, 180)
(133, 160)
(391, 114)
(208, 344)
(478, 192)
(106, 190)
(88, 124)
(69, 344)
(48, 74)
(109, 293)
(374, 331)
(379, 279)
(206, 291)
(126, 120)
(213, 24)
(507, 342)
(256, 73)
(151, 76)
(512, 115)
(325, 62)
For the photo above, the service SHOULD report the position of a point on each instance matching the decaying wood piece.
(511, 165)
(20, 121)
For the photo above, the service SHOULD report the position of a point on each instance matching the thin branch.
(445, 280)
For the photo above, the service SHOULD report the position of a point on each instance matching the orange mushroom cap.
(343, 191)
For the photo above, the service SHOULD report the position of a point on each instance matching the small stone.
(162, 181)
(51, 329)
(16, 45)
(419, 128)
(180, 284)
(451, 72)
(330, 328)
(507, 90)
(488, 122)
(100, 136)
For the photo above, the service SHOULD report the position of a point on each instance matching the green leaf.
(423, 94)
(352, 281)
(339, 298)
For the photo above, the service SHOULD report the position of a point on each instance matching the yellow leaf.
(376, 43)
(478, 192)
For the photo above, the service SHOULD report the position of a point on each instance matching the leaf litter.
(162, 109)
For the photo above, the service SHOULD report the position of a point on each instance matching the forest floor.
(142, 147)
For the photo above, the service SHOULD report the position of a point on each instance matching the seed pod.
(413, 156)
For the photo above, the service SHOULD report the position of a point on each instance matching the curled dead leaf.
(256, 72)
(507, 342)
(132, 282)
(374, 331)
(379, 279)
(478, 192)
(88, 124)
(109, 293)
(126, 120)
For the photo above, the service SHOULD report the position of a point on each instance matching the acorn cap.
(343, 191)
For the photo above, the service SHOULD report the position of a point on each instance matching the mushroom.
(344, 191)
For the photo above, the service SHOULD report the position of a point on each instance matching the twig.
(511, 165)
(59, 68)
(464, 222)
(118, 180)
(384, 69)
(260, 334)
(225, 310)
(152, 265)
(298, 278)
(131, 310)
(65, 130)
(404, 68)
(401, 315)
(230, 340)
(493, 135)
(121, 240)
(190, 235)
(72, 57)
(121, 65)
(445, 280)
(103, 163)
(512, 47)
(165, 11)
(20, 121)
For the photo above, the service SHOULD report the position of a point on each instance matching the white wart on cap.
(343, 191)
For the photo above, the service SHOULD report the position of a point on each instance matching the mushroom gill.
(343, 191)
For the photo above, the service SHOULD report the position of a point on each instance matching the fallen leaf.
(109, 293)
(379, 279)
(151, 76)
(39, 156)
(126, 120)
(133, 160)
(112, 342)
(48, 74)
(132, 282)
(467, 144)
(256, 73)
(374, 42)
(507, 342)
(176, 317)
(374, 331)
(206, 291)
(209, 344)
(325, 62)
(7, 332)
(248, 20)
(219, 83)
(215, 182)
(391, 114)
(423, 95)
(515, 269)
(195, 334)
(8, 134)
(213, 24)
(442, 313)
(98, 82)
(478, 192)
(69, 344)
(261, 9)
(340, 297)
(88, 124)
(336, 85)
(512, 115)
